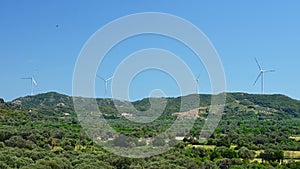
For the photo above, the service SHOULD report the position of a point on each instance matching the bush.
(36, 166)
(124, 141)
(209, 165)
(3, 165)
(22, 161)
(229, 153)
(245, 153)
(2, 145)
(18, 141)
(93, 165)
(55, 163)
(158, 141)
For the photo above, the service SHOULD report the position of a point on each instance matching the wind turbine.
(197, 83)
(105, 82)
(33, 83)
(261, 75)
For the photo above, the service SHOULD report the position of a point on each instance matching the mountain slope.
(43, 131)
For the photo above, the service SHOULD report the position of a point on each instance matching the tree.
(199, 152)
(124, 141)
(55, 163)
(229, 153)
(3, 165)
(245, 153)
(271, 155)
(158, 141)
(215, 155)
(6, 134)
(267, 155)
(2, 145)
(256, 165)
(209, 165)
(18, 141)
(22, 161)
(94, 165)
(36, 166)
(278, 155)
(236, 167)
(224, 163)
(173, 142)
(223, 141)
(293, 165)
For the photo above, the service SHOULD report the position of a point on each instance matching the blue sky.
(31, 44)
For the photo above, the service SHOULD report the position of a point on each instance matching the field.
(297, 138)
(206, 147)
(292, 154)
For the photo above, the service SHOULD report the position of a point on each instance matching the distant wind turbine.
(197, 83)
(33, 83)
(105, 83)
(261, 75)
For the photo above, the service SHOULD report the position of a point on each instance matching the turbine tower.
(33, 83)
(261, 75)
(197, 83)
(105, 83)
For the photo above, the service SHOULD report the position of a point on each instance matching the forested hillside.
(256, 131)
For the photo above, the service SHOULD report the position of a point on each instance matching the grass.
(287, 154)
(260, 160)
(258, 152)
(206, 147)
(292, 154)
(297, 138)
(233, 147)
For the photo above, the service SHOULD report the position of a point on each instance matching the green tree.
(236, 167)
(209, 165)
(245, 153)
(3, 165)
(93, 165)
(36, 166)
(279, 155)
(272, 155)
(255, 165)
(158, 141)
(124, 141)
(215, 155)
(22, 161)
(229, 153)
(18, 141)
(224, 163)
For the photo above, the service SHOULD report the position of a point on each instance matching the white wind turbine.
(105, 83)
(33, 83)
(197, 83)
(261, 75)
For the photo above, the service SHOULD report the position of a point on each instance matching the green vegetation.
(256, 131)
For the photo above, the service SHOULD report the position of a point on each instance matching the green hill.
(43, 131)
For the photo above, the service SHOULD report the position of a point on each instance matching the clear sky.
(31, 44)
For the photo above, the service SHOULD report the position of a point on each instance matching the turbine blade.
(257, 78)
(270, 71)
(34, 82)
(100, 77)
(198, 76)
(109, 78)
(258, 64)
